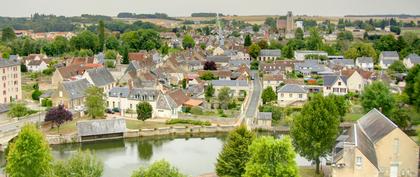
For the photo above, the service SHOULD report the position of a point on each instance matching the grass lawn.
(352, 117)
(66, 128)
(138, 124)
(308, 172)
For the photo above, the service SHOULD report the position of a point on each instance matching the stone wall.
(178, 130)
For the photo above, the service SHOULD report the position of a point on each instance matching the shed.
(101, 129)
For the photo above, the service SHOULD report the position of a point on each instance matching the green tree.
(125, 59)
(254, 50)
(398, 66)
(416, 94)
(85, 40)
(314, 41)
(247, 41)
(299, 33)
(29, 155)
(82, 164)
(234, 155)
(386, 43)
(36, 94)
(377, 95)
(208, 75)
(112, 43)
(8, 34)
(101, 35)
(401, 118)
(224, 97)
(184, 83)
(144, 111)
(268, 95)
(255, 28)
(360, 50)
(263, 44)
(18, 109)
(254, 64)
(345, 35)
(158, 169)
(315, 129)
(141, 40)
(188, 42)
(271, 157)
(95, 102)
(209, 92)
(412, 76)
(164, 49)
(111, 54)
(341, 103)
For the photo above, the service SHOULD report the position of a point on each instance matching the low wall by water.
(179, 130)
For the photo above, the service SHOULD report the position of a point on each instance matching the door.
(393, 171)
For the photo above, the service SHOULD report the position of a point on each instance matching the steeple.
(221, 36)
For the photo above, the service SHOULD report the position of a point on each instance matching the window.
(282, 95)
(60, 94)
(290, 95)
(300, 95)
(339, 83)
(359, 161)
(396, 145)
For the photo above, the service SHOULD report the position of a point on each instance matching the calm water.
(192, 156)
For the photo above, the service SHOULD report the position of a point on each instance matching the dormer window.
(339, 83)
(358, 161)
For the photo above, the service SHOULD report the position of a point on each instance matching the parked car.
(116, 109)
(109, 111)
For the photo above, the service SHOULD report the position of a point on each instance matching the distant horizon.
(184, 8)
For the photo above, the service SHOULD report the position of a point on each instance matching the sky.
(177, 8)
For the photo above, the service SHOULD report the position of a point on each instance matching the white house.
(125, 98)
(272, 81)
(100, 77)
(334, 84)
(411, 60)
(357, 79)
(291, 95)
(36, 65)
(365, 63)
(387, 58)
(301, 54)
(234, 85)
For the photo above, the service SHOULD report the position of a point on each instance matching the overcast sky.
(186, 7)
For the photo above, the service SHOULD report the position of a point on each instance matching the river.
(192, 156)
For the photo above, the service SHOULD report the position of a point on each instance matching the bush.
(188, 121)
(36, 94)
(46, 103)
(109, 64)
(48, 71)
(196, 111)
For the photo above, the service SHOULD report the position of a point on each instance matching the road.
(17, 124)
(254, 99)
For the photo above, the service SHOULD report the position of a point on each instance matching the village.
(212, 76)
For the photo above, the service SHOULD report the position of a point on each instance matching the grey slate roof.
(365, 59)
(330, 80)
(414, 58)
(310, 66)
(230, 83)
(77, 88)
(270, 53)
(100, 76)
(342, 62)
(13, 57)
(388, 62)
(265, 115)
(390, 54)
(8, 63)
(219, 59)
(376, 125)
(292, 88)
(237, 63)
(101, 127)
(134, 93)
(164, 101)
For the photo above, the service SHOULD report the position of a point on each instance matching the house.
(291, 95)
(80, 61)
(309, 67)
(365, 63)
(264, 120)
(235, 64)
(194, 65)
(411, 60)
(338, 64)
(37, 65)
(236, 86)
(357, 79)
(374, 146)
(277, 67)
(220, 60)
(269, 54)
(100, 77)
(11, 82)
(169, 104)
(31, 57)
(138, 56)
(387, 58)
(300, 55)
(71, 72)
(126, 98)
(71, 93)
(272, 81)
(335, 84)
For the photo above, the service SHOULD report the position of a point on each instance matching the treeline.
(371, 24)
(205, 14)
(155, 15)
(386, 16)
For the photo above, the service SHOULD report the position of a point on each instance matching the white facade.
(338, 88)
(287, 99)
(37, 68)
(365, 66)
(356, 82)
(300, 54)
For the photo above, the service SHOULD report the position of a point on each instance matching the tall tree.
(247, 41)
(386, 43)
(235, 154)
(144, 111)
(410, 80)
(95, 102)
(188, 42)
(254, 51)
(125, 59)
(8, 34)
(315, 129)
(271, 157)
(101, 35)
(158, 169)
(224, 97)
(58, 115)
(85, 40)
(398, 66)
(341, 103)
(299, 33)
(377, 95)
(416, 94)
(268, 95)
(263, 44)
(29, 155)
(314, 41)
(83, 163)
(209, 92)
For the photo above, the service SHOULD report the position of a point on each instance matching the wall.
(178, 130)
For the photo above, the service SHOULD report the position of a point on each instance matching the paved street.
(254, 99)
(14, 125)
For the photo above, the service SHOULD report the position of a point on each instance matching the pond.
(191, 155)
